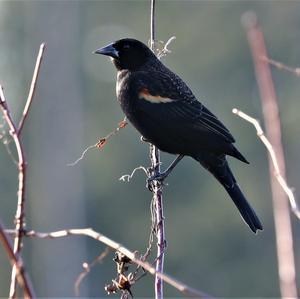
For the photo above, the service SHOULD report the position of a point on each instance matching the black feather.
(165, 111)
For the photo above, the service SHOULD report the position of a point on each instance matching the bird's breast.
(121, 83)
(124, 94)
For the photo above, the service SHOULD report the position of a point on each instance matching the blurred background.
(209, 247)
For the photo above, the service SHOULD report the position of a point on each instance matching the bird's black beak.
(108, 50)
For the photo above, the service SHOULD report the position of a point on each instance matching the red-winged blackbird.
(165, 111)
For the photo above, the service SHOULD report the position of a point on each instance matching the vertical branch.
(152, 26)
(19, 218)
(15, 133)
(157, 190)
(283, 228)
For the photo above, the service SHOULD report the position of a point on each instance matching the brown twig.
(268, 145)
(15, 134)
(157, 188)
(19, 217)
(281, 66)
(283, 228)
(15, 260)
(183, 288)
(87, 268)
(32, 88)
(102, 141)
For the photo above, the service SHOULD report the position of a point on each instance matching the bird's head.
(127, 53)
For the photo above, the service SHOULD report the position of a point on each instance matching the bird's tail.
(219, 167)
(244, 207)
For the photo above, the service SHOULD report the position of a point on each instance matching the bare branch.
(32, 88)
(16, 261)
(88, 267)
(15, 134)
(20, 215)
(283, 228)
(88, 232)
(156, 188)
(102, 141)
(152, 25)
(268, 145)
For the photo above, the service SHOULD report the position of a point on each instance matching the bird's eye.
(126, 47)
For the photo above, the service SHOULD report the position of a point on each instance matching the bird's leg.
(161, 176)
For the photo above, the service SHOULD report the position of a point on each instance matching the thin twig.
(19, 217)
(32, 88)
(152, 25)
(260, 133)
(128, 177)
(88, 232)
(87, 268)
(16, 260)
(165, 50)
(102, 141)
(281, 66)
(15, 134)
(283, 227)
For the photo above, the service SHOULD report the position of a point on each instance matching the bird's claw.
(158, 177)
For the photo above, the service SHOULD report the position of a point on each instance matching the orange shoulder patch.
(145, 95)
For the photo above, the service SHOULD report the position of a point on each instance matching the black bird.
(165, 111)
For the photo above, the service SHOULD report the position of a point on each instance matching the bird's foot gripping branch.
(163, 175)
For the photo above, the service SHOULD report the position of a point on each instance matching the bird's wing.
(177, 104)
